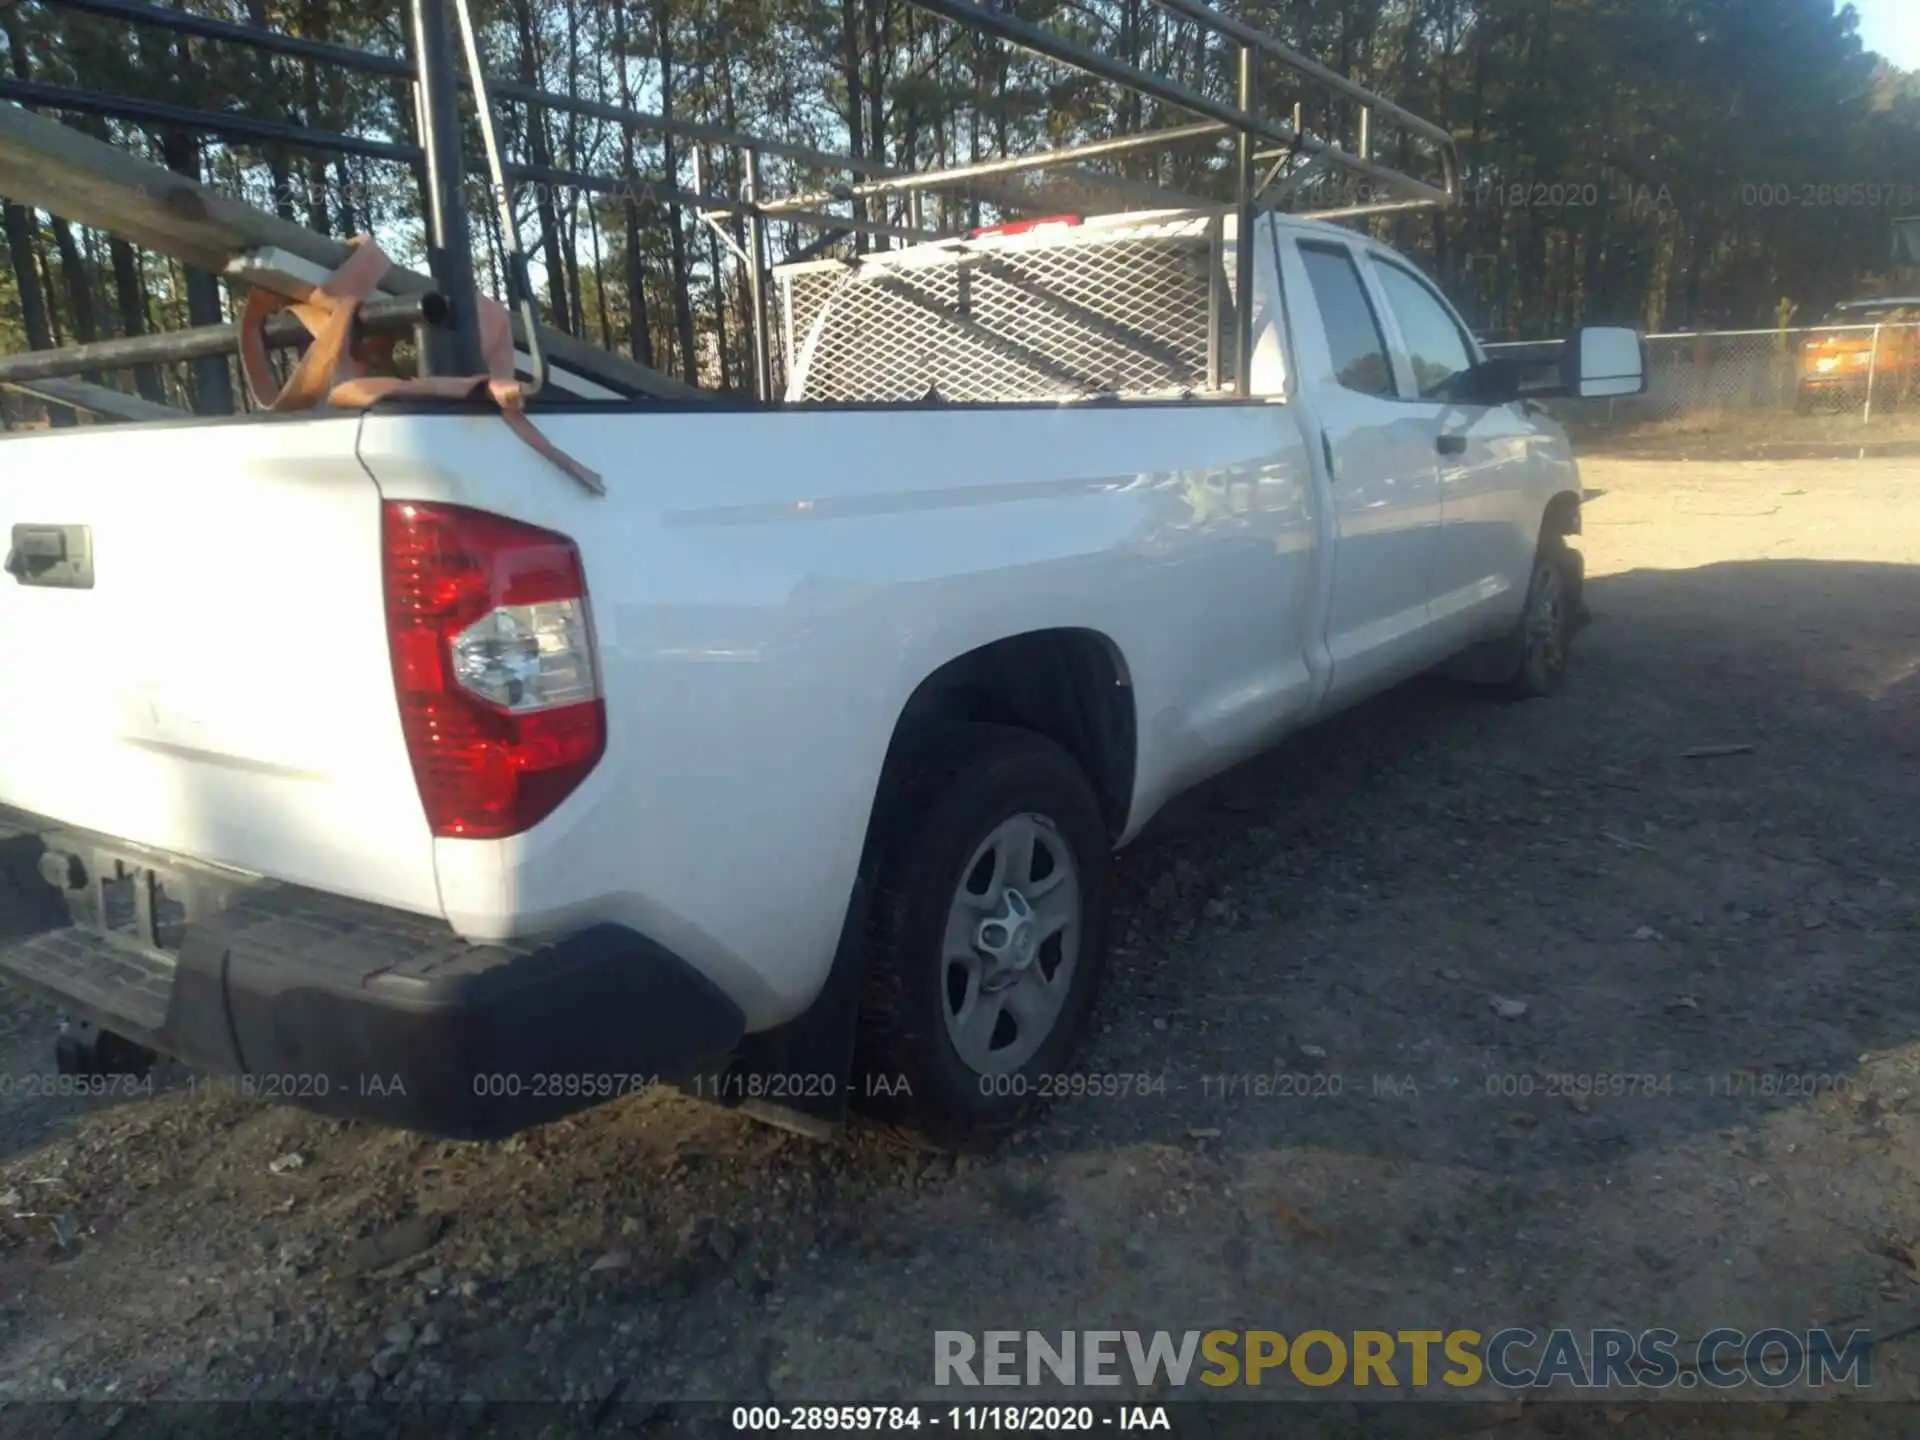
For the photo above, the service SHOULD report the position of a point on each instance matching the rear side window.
(1358, 348)
(1434, 343)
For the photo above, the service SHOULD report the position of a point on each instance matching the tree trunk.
(316, 187)
(746, 322)
(349, 217)
(574, 197)
(1595, 302)
(496, 260)
(73, 268)
(682, 301)
(49, 288)
(131, 302)
(1697, 255)
(79, 281)
(719, 311)
(1441, 232)
(877, 105)
(639, 323)
(23, 240)
(313, 23)
(1130, 39)
(599, 278)
(973, 144)
(212, 381)
(1001, 134)
(20, 226)
(570, 253)
(540, 149)
(856, 92)
(278, 168)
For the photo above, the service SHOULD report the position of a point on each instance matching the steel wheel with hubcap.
(1013, 932)
(992, 877)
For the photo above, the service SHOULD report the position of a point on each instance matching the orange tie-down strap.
(330, 371)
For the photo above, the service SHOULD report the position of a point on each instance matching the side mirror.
(1602, 361)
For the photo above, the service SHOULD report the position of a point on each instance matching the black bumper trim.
(355, 1010)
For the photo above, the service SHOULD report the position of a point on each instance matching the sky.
(1893, 28)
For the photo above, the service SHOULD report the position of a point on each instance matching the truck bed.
(766, 591)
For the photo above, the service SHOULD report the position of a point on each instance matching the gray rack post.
(452, 345)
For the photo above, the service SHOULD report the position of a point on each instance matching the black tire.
(953, 789)
(1544, 633)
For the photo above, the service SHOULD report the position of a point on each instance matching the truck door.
(1483, 555)
(1385, 492)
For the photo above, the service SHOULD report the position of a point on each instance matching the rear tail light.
(493, 665)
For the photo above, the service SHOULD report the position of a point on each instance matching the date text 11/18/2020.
(959, 1419)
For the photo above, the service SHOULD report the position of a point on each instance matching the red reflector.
(484, 771)
(1021, 227)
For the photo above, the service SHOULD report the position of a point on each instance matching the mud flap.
(799, 1076)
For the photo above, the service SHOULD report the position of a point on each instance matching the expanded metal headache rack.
(1126, 305)
(1133, 293)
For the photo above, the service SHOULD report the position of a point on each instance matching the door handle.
(1451, 444)
(1326, 449)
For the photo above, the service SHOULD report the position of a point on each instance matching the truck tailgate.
(219, 686)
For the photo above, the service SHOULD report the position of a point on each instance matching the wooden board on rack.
(51, 167)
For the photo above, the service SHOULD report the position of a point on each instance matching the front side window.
(1435, 346)
(1353, 331)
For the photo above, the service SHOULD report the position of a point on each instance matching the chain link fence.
(1866, 370)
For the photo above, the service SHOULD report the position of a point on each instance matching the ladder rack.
(1277, 161)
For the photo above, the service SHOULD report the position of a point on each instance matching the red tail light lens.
(493, 665)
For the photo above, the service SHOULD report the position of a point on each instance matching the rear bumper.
(341, 1007)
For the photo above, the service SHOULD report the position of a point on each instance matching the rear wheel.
(990, 914)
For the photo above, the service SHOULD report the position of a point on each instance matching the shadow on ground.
(1450, 1012)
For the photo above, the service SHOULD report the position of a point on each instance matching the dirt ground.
(1747, 434)
(1740, 929)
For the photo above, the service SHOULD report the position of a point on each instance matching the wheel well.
(1563, 515)
(1071, 686)
(1561, 520)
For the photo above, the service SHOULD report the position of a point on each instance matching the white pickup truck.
(365, 756)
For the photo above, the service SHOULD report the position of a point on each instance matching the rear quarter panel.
(768, 589)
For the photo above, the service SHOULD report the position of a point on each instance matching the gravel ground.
(1746, 434)
(1424, 913)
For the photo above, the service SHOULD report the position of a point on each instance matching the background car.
(1877, 338)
